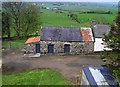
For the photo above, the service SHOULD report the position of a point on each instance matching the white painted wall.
(99, 46)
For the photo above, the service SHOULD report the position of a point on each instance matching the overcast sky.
(80, 0)
(67, 0)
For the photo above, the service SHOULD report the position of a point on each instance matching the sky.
(81, 0)
(67, 0)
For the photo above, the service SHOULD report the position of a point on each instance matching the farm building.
(31, 44)
(98, 32)
(98, 76)
(65, 40)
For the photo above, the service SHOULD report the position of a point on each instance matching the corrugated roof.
(33, 39)
(60, 34)
(100, 29)
(87, 34)
(99, 76)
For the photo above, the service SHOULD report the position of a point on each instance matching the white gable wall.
(99, 45)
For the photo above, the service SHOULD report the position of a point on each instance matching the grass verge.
(36, 77)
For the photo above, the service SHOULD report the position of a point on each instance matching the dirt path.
(69, 66)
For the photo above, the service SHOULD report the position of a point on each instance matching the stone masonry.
(75, 47)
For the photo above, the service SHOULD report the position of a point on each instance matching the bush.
(112, 60)
(116, 73)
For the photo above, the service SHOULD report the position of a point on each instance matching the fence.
(11, 44)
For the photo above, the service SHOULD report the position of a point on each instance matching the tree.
(113, 41)
(13, 9)
(113, 38)
(31, 18)
(24, 17)
(74, 17)
(6, 25)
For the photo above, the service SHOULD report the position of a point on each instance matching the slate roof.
(61, 34)
(100, 29)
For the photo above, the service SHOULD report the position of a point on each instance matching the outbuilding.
(98, 76)
(66, 40)
(99, 30)
(32, 45)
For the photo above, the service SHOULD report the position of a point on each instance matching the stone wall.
(75, 47)
(29, 48)
(58, 46)
(89, 47)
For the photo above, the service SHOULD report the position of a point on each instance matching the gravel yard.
(68, 65)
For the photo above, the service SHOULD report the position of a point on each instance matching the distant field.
(87, 8)
(55, 18)
(52, 18)
(83, 6)
(101, 18)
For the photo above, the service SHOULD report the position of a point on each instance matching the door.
(37, 47)
(66, 48)
(50, 48)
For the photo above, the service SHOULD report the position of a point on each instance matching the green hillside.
(51, 18)
(54, 18)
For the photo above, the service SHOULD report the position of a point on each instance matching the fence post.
(9, 44)
(14, 45)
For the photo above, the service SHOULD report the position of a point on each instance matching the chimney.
(93, 22)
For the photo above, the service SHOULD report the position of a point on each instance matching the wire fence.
(11, 44)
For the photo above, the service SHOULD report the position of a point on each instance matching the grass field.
(101, 18)
(36, 77)
(51, 18)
